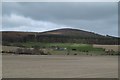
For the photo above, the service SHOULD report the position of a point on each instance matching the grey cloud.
(46, 11)
(20, 23)
(93, 16)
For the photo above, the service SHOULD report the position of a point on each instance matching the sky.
(98, 17)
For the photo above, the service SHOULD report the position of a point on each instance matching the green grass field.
(68, 46)
(64, 48)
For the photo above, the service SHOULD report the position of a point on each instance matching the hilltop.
(71, 32)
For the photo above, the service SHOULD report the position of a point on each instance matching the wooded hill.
(66, 35)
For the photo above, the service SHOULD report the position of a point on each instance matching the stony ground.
(59, 66)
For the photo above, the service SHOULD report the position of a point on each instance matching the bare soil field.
(54, 66)
(108, 47)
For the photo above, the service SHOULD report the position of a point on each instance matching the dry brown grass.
(9, 48)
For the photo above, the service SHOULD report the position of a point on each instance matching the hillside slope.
(65, 35)
(71, 32)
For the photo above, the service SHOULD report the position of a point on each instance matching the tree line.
(63, 39)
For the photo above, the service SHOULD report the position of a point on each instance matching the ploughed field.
(59, 66)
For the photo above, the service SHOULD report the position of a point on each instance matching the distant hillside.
(13, 36)
(71, 32)
(66, 35)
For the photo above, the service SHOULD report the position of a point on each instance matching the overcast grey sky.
(98, 17)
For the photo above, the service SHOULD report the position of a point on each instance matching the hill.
(71, 32)
(65, 35)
